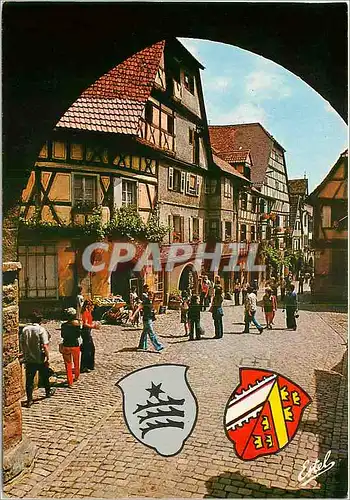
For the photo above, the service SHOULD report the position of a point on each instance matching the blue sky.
(241, 87)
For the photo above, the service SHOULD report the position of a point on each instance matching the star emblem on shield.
(159, 406)
(263, 413)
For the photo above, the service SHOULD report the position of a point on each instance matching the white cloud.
(266, 84)
(220, 83)
(243, 113)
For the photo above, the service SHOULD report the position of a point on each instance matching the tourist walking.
(269, 307)
(244, 291)
(291, 307)
(237, 291)
(301, 284)
(194, 318)
(204, 295)
(217, 312)
(87, 347)
(250, 311)
(147, 318)
(255, 286)
(184, 312)
(79, 302)
(70, 348)
(34, 344)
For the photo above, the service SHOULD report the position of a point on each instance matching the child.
(217, 312)
(194, 317)
(269, 307)
(184, 312)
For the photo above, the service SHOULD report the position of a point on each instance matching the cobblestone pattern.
(85, 449)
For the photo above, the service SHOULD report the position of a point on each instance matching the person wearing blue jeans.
(250, 311)
(147, 318)
(217, 312)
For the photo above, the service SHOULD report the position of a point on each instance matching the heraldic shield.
(263, 413)
(160, 408)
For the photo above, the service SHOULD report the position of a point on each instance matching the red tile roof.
(226, 167)
(114, 103)
(227, 139)
(238, 156)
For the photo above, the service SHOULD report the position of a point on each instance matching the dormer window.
(189, 82)
(149, 112)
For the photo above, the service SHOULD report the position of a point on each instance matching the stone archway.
(188, 278)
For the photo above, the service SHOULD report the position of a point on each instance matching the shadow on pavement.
(235, 485)
(306, 303)
(333, 484)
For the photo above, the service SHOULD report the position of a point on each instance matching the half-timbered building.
(138, 136)
(301, 222)
(267, 172)
(330, 233)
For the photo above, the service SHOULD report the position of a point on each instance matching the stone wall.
(18, 453)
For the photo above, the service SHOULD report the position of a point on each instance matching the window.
(149, 112)
(38, 276)
(190, 136)
(254, 204)
(214, 228)
(195, 229)
(178, 224)
(252, 233)
(128, 193)
(189, 82)
(192, 184)
(262, 206)
(210, 186)
(326, 216)
(244, 201)
(176, 180)
(193, 139)
(170, 124)
(246, 171)
(228, 231)
(158, 281)
(243, 232)
(227, 188)
(85, 189)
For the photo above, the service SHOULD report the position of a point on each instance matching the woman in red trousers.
(70, 349)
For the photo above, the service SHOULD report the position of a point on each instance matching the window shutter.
(171, 178)
(182, 226)
(198, 183)
(182, 186)
(170, 224)
(117, 192)
(187, 182)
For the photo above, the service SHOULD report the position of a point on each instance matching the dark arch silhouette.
(53, 51)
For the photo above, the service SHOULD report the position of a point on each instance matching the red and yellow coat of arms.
(263, 413)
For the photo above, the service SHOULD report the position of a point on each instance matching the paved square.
(86, 450)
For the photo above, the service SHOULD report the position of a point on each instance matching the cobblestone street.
(86, 450)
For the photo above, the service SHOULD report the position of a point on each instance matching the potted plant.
(174, 299)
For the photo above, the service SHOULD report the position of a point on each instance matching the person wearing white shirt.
(250, 311)
(34, 344)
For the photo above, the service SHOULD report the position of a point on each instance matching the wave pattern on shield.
(160, 408)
